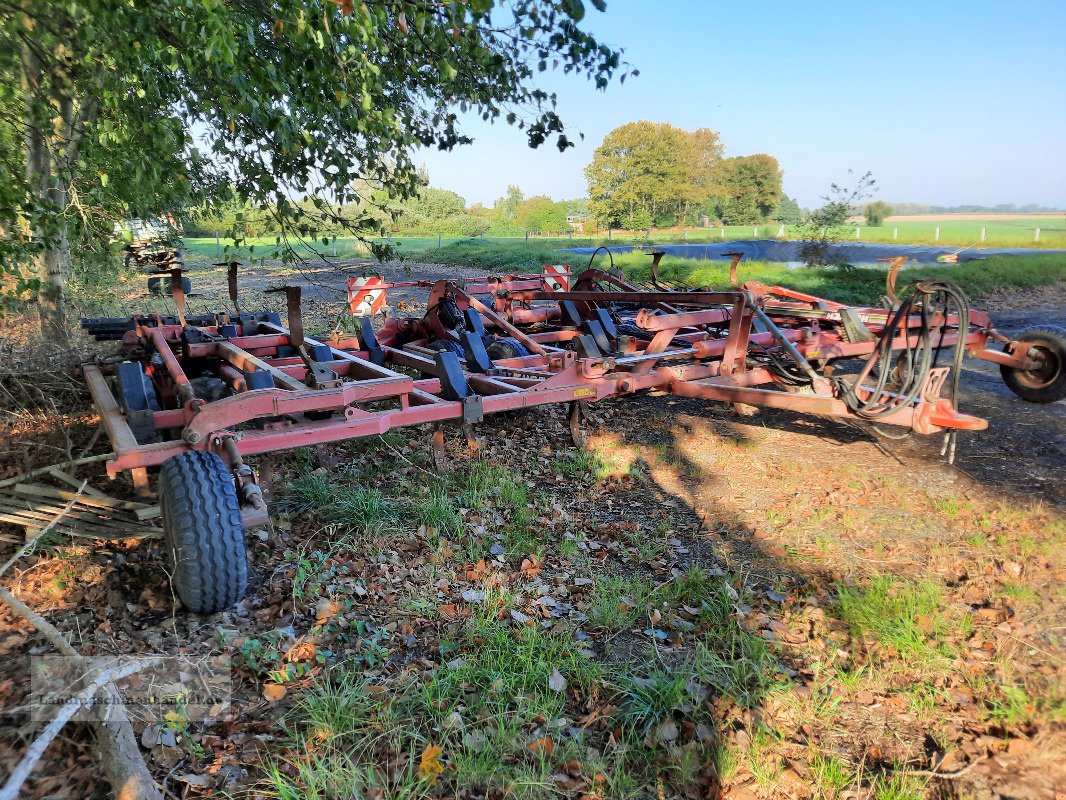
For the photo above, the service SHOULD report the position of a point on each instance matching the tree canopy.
(747, 189)
(651, 173)
(109, 108)
(877, 212)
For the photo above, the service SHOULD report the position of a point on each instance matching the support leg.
(140, 481)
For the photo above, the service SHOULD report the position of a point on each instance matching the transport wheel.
(203, 532)
(1046, 383)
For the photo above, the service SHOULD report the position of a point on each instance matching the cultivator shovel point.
(211, 391)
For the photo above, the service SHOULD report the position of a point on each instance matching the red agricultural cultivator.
(195, 396)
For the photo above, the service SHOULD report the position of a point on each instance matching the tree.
(747, 189)
(507, 206)
(109, 108)
(828, 224)
(877, 212)
(541, 214)
(651, 172)
(788, 211)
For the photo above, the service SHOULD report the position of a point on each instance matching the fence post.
(936, 234)
(608, 234)
(982, 234)
(895, 233)
(856, 231)
(334, 246)
(1036, 236)
(439, 235)
(527, 236)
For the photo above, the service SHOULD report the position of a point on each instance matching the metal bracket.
(473, 409)
(854, 328)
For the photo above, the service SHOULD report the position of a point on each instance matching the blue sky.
(945, 102)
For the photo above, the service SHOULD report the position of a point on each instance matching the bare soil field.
(697, 605)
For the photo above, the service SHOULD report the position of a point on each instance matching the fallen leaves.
(556, 681)
(273, 692)
(430, 767)
(544, 746)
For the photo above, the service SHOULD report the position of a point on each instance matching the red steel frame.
(697, 344)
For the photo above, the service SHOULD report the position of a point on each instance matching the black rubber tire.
(203, 532)
(1047, 384)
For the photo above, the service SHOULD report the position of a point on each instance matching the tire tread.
(1054, 335)
(202, 525)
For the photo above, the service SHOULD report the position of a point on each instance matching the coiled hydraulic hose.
(934, 301)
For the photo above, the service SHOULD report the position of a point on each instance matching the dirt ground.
(914, 612)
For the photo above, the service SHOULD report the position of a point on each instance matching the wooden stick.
(119, 750)
(33, 540)
(69, 479)
(40, 490)
(77, 462)
(22, 770)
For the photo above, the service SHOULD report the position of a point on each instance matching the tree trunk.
(53, 268)
(53, 262)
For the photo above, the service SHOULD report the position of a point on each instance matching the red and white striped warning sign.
(366, 296)
(556, 277)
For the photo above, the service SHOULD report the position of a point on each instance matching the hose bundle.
(934, 301)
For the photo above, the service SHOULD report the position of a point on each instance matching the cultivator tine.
(604, 318)
(474, 321)
(571, 316)
(477, 358)
(734, 279)
(594, 329)
(895, 265)
(440, 454)
(231, 281)
(576, 413)
(177, 291)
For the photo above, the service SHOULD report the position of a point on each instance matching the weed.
(649, 701)
(831, 776)
(578, 464)
(1020, 593)
(439, 511)
(900, 786)
(763, 760)
(366, 510)
(617, 602)
(949, 506)
(355, 507)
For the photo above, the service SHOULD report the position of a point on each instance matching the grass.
(1000, 231)
(856, 286)
(649, 649)
(439, 512)
(355, 507)
(908, 616)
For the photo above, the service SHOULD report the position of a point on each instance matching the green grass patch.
(357, 508)
(864, 286)
(908, 616)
